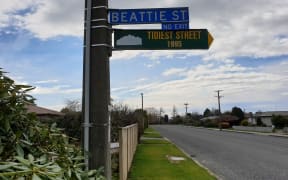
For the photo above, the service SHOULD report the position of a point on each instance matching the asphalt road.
(231, 155)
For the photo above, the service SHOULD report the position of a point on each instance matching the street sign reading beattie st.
(161, 40)
(148, 16)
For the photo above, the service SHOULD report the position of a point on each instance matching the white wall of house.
(252, 120)
(267, 120)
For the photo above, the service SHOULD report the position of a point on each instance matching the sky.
(41, 44)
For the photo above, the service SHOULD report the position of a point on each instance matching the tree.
(236, 111)
(177, 120)
(153, 115)
(161, 118)
(122, 115)
(193, 119)
(227, 113)
(166, 118)
(71, 123)
(72, 106)
(207, 112)
(215, 112)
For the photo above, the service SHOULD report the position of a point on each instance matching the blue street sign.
(148, 16)
(175, 26)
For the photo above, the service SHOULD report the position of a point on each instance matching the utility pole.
(142, 102)
(186, 107)
(161, 110)
(142, 108)
(174, 111)
(219, 107)
(219, 97)
(96, 86)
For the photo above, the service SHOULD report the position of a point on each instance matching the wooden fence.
(128, 140)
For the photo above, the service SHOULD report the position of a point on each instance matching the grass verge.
(151, 163)
(151, 133)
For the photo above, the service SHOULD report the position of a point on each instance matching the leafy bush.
(71, 124)
(244, 123)
(279, 121)
(122, 115)
(210, 123)
(225, 125)
(29, 149)
(177, 120)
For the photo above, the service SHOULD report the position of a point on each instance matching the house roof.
(210, 118)
(40, 111)
(271, 113)
(224, 118)
(229, 118)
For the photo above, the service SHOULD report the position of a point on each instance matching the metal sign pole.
(86, 65)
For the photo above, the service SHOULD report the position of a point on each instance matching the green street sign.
(162, 39)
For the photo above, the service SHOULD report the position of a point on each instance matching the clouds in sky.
(55, 90)
(44, 19)
(256, 30)
(240, 84)
(174, 71)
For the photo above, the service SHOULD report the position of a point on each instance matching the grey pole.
(219, 97)
(142, 102)
(219, 107)
(142, 108)
(96, 95)
(186, 107)
(86, 79)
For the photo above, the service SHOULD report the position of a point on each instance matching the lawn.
(151, 163)
(151, 133)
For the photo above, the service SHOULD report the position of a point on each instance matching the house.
(250, 117)
(212, 118)
(266, 117)
(44, 114)
(232, 120)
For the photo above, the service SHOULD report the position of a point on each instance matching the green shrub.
(29, 149)
(71, 124)
(225, 125)
(279, 121)
(177, 120)
(244, 123)
(210, 123)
